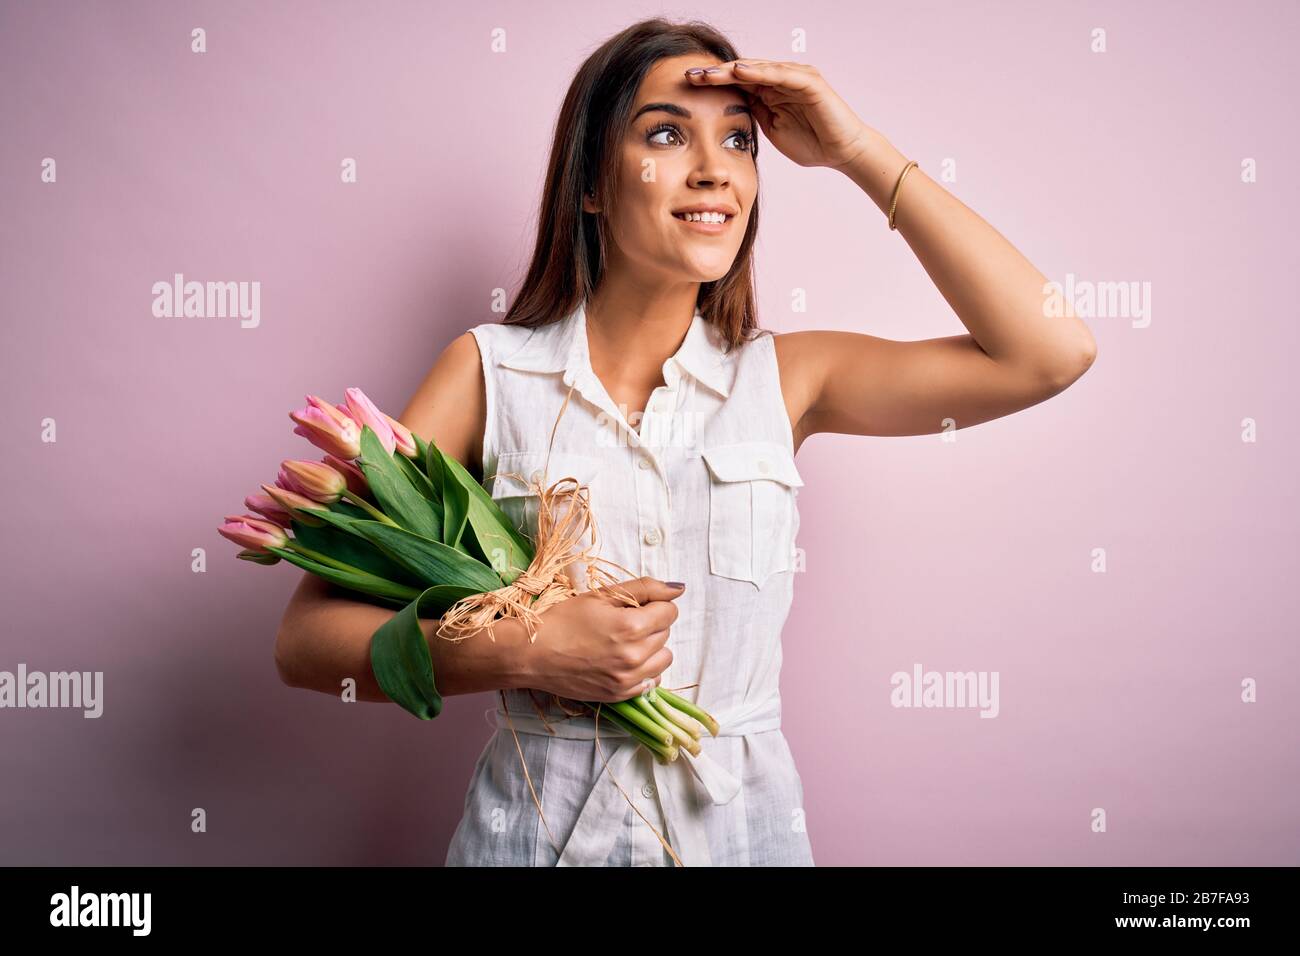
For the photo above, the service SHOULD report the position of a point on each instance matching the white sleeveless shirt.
(703, 493)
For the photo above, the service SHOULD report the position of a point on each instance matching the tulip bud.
(354, 476)
(364, 412)
(314, 479)
(291, 502)
(285, 480)
(259, 557)
(402, 434)
(266, 506)
(328, 428)
(255, 534)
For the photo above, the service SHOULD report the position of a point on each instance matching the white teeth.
(718, 217)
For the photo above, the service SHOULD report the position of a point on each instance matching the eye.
(746, 138)
(745, 145)
(663, 128)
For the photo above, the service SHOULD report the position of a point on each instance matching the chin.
(709, 272)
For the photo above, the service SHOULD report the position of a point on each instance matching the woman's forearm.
(325, 639)
(996, 292)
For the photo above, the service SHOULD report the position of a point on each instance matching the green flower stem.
(642, 702)
(307, 552)
(629, 711)
(649, 709)
(683, 720)
(408, 594)
(370, 509)
(618, 720)
(686, 707)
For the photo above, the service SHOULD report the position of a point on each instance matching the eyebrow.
(675, 110)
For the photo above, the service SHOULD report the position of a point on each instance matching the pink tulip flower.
(290, 502)
(354, 476)
(405, 442)
(287, 482)
(364, 412)
(255, 534)
(266, 506)
(313, 479)
(328, 428)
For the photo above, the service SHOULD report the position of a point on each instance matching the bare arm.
(589, 647)
(1012, 356)
(325, 638)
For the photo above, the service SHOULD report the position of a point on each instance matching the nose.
(710, 167)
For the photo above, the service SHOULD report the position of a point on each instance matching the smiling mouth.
(708, 218)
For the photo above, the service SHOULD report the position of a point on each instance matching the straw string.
(564, 518)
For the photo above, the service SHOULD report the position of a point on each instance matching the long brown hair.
(569, 257)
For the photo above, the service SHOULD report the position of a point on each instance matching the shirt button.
(648, 790)
(652, 536)
(538, 475)
(763, 465)
(644, 463)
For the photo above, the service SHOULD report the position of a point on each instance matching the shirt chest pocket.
(751, 509)
(514, 485)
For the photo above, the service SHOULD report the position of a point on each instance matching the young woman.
(683, 418)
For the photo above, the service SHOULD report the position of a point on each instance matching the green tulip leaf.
(494, 540)
(347, 509)
(400, 659)
(397, 496)
(435, 469)
(371, 584)
(342, 544)
(433, 561)
(422, 458)
(455, 514)
(419, 480)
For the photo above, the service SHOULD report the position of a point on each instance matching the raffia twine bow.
(564, 518)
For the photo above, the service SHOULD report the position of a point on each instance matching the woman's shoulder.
(498, 338)
(450, 404)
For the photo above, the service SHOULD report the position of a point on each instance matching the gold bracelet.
(893, 203)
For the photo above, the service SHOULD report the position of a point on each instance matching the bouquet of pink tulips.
(386, 514)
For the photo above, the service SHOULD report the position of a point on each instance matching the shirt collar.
(561, 346)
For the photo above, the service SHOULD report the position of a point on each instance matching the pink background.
(1118, 690)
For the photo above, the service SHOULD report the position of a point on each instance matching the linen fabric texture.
(700, 489)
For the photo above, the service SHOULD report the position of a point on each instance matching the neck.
(633, 329)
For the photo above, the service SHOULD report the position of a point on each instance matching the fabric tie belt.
(596, 830)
